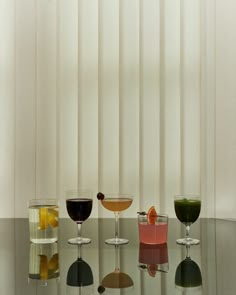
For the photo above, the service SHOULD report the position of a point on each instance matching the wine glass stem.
(188, 251)
(187, 232)
(79, 251)
(116, 225)
(79, 230)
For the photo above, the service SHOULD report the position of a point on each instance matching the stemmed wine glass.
(116, 203)
(79, 206)
(187, 210)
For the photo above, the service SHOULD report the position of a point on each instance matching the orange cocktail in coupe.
(116, 203)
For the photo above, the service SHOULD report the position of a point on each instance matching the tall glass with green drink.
(187, 210)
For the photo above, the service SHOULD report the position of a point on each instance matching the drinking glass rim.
(187, 196)
(78, 194)
(43, 201)
(118, 195)
(143, 213)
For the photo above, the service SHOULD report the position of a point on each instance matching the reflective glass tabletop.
(134, 268)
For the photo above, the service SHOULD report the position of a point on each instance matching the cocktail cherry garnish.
(100, 196)
(101, 289)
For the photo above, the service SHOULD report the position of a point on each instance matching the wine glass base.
(188, 241)
(116, 241)
(79, 241)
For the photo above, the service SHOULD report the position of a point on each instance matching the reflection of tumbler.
(153, 257)
(44, 261)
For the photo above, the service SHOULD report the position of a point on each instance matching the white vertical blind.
(150, 102)
(208, 104)
(7, 107)
(46, 98)
(225, 109)
(170, 104)
(190, 95)
(88, 95)
(108, 97)
(25, 112)
(67, 98)
(129, 101)
(103, 95)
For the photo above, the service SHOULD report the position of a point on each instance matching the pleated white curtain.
(106, 95)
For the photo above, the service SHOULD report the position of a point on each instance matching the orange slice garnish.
(43, 267)
(53, 263)
(152, 269)
(43, 218)
(53, 211)
(52, 221)
(52, 217)
(152, 215)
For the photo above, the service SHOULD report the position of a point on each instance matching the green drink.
(187, 210)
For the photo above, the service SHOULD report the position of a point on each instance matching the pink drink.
(153, 233)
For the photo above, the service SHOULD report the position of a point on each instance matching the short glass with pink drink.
(153, 233)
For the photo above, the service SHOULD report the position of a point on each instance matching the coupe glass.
(187, 210)
(79, 206)
(116, 203)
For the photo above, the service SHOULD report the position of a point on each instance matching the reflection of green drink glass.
(188, 275)
(187, 210)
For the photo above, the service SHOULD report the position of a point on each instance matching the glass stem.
(79, 230)
(116, 225)
(117, 257)
(79, 252)
(187, 232)
(188, 251)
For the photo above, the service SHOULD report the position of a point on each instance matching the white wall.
(117, 95)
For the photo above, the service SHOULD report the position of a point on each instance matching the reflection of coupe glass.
(188, 275)
(79, 206)
(187, 210)
(153, 258)
(116, 203)
(116, 279)
(79, 277)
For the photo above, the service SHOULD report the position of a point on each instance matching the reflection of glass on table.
(116, 279)
(43, 262)
(153, 258)
(188, 274)
(79, 276)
